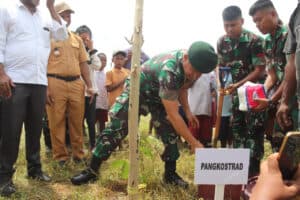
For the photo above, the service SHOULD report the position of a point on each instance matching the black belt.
(65, 78)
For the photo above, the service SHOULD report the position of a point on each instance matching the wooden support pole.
(133, 114)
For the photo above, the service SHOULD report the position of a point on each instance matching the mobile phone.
(289, 155)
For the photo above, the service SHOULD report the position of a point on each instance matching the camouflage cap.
(202, 56)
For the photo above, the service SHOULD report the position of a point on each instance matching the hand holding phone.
(289, 155)
(270, 184)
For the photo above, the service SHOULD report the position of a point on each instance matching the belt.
(65, 78)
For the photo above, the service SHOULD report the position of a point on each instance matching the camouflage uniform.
(242, 55)
(161, 78)
(276, 59)
(292, 46)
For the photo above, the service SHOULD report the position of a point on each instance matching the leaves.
(122, 166)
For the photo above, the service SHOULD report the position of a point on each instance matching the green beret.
(203, 57)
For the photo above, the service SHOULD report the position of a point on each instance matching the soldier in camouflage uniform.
(243, 52)
(267, 21)
(291, 81)
(163, 85)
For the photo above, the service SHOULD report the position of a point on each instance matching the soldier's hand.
(196, 145)
(263, 103)
(5, 85)
(223, 92)
(192, 119)
(283, 118)
(231, 88)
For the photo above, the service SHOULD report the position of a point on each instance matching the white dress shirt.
(25, 42)
(102, 99)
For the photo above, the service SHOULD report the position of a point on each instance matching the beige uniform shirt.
(66, 56)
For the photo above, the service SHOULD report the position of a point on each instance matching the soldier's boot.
(171, 177)
(88, 175)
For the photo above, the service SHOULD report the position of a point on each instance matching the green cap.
(203, 57)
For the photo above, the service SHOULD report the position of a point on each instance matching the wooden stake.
(133, 114)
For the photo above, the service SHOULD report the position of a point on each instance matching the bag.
(247, 94)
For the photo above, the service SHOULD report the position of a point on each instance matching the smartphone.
(289, 155)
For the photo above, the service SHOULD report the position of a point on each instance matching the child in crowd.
(115, 78)
(101, 100)
(200, 102)
(225, 133)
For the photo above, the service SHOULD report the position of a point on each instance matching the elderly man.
(24, 50)
(65, 95)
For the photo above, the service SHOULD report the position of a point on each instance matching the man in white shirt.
(24, 51)
(94, 63)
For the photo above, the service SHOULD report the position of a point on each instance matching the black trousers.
(46, 132)
(27, 106)
(90, 116)
(0, 117)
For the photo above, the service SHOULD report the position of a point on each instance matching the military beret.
(202, 56)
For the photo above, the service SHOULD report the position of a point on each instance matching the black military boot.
(171, 177)
(88, 175)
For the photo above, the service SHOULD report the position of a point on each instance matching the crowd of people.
(60, 83)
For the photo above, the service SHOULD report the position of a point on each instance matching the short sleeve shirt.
(162, 76)
(241, 55)
(273, 47)
(66, 56)
(114, 76)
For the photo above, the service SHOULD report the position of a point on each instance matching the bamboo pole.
(133, 115)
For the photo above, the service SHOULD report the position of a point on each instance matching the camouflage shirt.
(162, 76)
(273, 48)
(241, 54)
(292, 45)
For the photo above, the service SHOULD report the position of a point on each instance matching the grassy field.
(113, 182)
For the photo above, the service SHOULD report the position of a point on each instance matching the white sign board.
(221, 166)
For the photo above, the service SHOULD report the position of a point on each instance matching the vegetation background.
(112, 184)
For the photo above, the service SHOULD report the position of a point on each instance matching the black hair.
(84, 29)
(260, 5)
(101, 54)
(231, 13)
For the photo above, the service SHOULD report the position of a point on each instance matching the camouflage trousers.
(117, 129)
(248, 132)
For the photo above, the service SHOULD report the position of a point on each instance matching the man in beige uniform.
(67, 62)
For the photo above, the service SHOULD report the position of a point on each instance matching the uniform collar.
(279, 30)
(243, 38)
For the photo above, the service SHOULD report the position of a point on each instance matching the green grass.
(112, 184)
